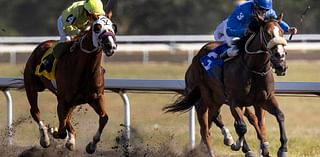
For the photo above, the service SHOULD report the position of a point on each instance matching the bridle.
(85, 50)
(267, 45)
(106, 31)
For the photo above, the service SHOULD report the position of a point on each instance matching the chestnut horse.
(248, 81)
(79, 80)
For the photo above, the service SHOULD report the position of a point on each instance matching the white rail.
(122, 86)
(147, 44)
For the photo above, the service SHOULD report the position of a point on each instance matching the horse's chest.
(256, 94)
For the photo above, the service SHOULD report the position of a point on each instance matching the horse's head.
(269, 35)
(276, 46)
(103, 35)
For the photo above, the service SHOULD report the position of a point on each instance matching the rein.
(267, 45)
(263, 41)
(85, 50)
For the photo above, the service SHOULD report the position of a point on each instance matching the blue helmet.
(264, 4)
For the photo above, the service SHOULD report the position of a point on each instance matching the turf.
(151, 127)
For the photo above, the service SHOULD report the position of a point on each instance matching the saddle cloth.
(214, 65)
(51, 75)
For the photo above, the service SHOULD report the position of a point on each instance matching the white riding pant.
(220, 34)
(63, 36)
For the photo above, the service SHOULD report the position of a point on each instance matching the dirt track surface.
(137, 150)
(120, 147)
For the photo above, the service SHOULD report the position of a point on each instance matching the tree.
(153, 17)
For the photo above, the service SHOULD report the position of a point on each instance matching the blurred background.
(151, 17)
(142, 54)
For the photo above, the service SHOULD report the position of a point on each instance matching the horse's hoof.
(212, 154)
(235, 147)
(91, 148)
(228, 141)
(45, 144)
(44, 138)
(52, 130)
(58, 135)
(282, 153)
(249, 154)
(70, 146)
(265, 147)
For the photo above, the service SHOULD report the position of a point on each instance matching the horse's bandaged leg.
(71, 141)
(44, 138)
(228, 140)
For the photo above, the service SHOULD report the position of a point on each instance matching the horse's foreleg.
(71, 140)
(273, 108)
(259, 119)
(239, 126)
(62, 114)
(241, 129)
(98, 106)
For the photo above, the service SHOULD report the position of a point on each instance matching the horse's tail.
(184, 103)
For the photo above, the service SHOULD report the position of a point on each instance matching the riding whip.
(301, 18)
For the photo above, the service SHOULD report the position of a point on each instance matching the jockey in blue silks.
(236, 26)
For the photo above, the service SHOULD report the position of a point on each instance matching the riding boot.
(224, 55)
(48, 63)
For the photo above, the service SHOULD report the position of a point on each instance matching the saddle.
(58, 49)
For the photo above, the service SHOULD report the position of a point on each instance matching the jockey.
(236, 25)
(74, 20)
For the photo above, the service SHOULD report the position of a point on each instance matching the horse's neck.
(255, 56)
(86, 42)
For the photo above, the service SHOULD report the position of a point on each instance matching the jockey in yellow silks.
(75, 19)
(78, 17)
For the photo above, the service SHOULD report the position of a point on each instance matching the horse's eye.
(97, 28)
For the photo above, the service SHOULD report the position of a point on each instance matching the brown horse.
(248, 81)
(79, 80)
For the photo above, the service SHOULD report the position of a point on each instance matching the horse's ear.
(280, 17)
(259, 18)
(109, 14)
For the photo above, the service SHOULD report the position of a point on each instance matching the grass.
(151, 126)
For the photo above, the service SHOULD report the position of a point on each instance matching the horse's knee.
(240, 127)
(280, 116)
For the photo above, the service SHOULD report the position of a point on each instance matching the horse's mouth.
(281, 70)
(109, 46)
(109, 50)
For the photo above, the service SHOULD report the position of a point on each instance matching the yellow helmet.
(94, 7)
